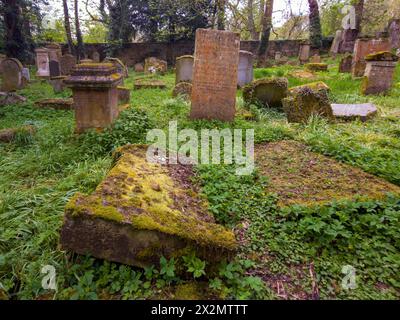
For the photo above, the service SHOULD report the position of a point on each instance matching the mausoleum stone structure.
(95, 94)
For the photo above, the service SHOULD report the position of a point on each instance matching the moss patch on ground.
(302, 177)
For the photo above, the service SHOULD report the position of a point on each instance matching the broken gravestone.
(306, 101)
(95, 95)
(269, 92)
(10, 135)
(364, 111)
(143, 211)
(215, 75)
(10, 98)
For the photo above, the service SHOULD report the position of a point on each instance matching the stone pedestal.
(364, 47)
(379, 73)
(95, 95)
(215, 74)
(246, 68)
(42, 63)
(184, 69)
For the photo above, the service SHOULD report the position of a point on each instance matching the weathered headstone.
(336, 43)
(183, 89)
(95, 95)
(278, 56)
(154, 65)
(11, 75)
(124, 95)
(139, 67)
(54, 51)
(184, 69)
(8, 98)
(304, 53)
(316, 58)
(364, 47)
(42, 63)
(379, 73)
(26, 76)
(245, 68)
(54, 69)
(349, 37)
(314, 67)
(67, 63)
(394, 33)
(363, 112)
(268, 92)
(345, 64)
(215, 74)
(96, 57)
(58, 83)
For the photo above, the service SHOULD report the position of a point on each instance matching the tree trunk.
(315, 24)
(67, 25)
(221, 4)
(250, 21)
(80, 46)
(266, 30)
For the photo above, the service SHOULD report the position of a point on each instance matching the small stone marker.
(11, 75)
(42, 63)
(363, 112)
(278, 56)
(345, 64)
(67, 63)
(153, 65)
(95, 94)
(54, 69)
(215, 74)
(9, 135)
(304, 53)
(379, 73)
(245, 68)
(184, 69)
(316, 58)
(96, 57)
(8, 98)
(183, 89)
(139, 67)
(364, 47)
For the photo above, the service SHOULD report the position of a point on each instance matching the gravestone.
(139, 67)
(2, 57)
(379, 73)
(316, 59)
(364, 47)
(67, 63)
(183, 89)
(184, 69)
(11, 75)
(154, 65)
(96, 57)
(54, 69)
(149, 84)
(26, 76)
(245, 68)
(56, 104)
(124, 95)
(336, 43)
(42, 63)
(394, 33)
(95, 95)
(345, 64)
(54, 51)
(268, 92)
(363, 111)
(86, 61)
(278, 56)
(58, 83)
(8, 98)
(304, 53)
(121, 68)
(349, 37)
(215, 74)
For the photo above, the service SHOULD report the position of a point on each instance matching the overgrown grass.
(298, 249)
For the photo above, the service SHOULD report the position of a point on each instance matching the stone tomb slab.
(141, 212)
(364, 111)
(215, 74)
(56, 104)
(149, 84)
(302, 177)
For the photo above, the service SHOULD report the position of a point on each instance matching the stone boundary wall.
(133, 53)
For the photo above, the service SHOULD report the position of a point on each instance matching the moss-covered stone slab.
(56, 104)
(268, 91)
(149, 84)
(183, 89)
(302, 74)
(316, 67)
(11, 134)
(363, 111)
(301, 177)
(143, 211)
(10, 98)
(308, 100)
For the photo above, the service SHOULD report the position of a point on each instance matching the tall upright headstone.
(336, 42)
(67, 63)
(394, 33)
(245, 68)
(11, 75)
(184, 69)
(304, 52)
(55, 52)
(364, 47)
(54, 69)
(95, 94)
(42, 63)
(215, 74)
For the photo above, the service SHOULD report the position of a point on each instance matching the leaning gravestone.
(184, 69)
(154, 65)
(379, 73)
(54, 69)
(215, 74)
(42, 63)
(364, 47)
(11, 75)
(245, 68)
(67, 63)
(363, 112)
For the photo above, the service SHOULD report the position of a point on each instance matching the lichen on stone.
(381, 56)
(268, 92)
(316, 67)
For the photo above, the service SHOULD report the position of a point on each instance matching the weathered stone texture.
(184, 69)
(245, 68)
(363, 111)
(215, 75)
(67, 64)
(345, 64)
(11, 75)
(268, 92)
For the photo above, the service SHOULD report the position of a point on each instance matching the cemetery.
(86, 189)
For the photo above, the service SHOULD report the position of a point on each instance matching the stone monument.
(245, 68)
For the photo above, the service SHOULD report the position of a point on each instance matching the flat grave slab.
(56, 104)
(364, 111)
(149, 84)
(141, 212)
(301, 177)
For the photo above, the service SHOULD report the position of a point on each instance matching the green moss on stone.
(316, 67)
